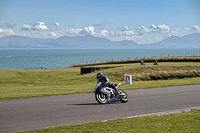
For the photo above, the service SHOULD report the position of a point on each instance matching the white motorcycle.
(105, 94)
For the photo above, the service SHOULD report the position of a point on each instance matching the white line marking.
(162, 113)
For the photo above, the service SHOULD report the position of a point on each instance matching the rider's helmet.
(99, 75)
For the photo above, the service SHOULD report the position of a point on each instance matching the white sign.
(128, 79)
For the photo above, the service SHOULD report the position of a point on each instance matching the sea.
(58, 58)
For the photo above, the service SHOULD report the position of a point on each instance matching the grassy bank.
(162, 71)
(146, 60)
(187, 122)
(35, 83)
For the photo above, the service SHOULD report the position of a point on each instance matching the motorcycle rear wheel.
(101, 98)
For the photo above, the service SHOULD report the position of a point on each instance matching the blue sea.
(57, 58)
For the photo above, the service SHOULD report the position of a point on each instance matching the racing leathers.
(106, 82)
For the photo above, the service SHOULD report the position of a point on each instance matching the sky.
(142, 21)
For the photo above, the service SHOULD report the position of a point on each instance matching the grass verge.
(187, 122)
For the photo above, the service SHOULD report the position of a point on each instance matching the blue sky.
(142, 21)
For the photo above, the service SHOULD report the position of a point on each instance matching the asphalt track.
(36, 113)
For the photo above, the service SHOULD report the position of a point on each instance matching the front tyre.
(123, 99)
(101, 98)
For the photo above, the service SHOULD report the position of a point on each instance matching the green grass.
(35, 83)
(185, 122)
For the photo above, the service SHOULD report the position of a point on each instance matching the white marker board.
(128, 79)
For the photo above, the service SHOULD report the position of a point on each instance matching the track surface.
(36, 113)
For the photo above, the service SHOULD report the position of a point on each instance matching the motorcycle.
(105, 94)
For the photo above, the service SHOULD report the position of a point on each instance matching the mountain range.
(90, 42)
(173, 42)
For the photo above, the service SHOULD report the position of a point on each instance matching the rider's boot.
(117, 92)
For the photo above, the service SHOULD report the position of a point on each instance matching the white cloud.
(162, 27)
(84, 31)
(187, 28)
(144, 30)
(125, 28)
(56, 24)
(113, 35)
(195, 28)
(39, 26)
(1, 31)
(87, 30)
(127, 33)
(26, 27)
(104, 33)
(8, 26)
(37, 34)
(73, 32)
(53, 34)
(122, 33)
(153, 26)
(6, 32)
(175, 31)
(154, 29)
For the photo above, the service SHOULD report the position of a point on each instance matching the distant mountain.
(15, 42)
(188, 41)
(128, 44)
(90, 42)
(65, 42)
(83, 42)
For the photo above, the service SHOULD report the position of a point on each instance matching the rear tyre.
(101, 98)
(125, 98)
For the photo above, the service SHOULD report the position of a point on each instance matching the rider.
(106, 82)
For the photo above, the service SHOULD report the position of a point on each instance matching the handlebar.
(98, 83)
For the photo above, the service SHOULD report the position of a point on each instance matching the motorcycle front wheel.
(123, 99)
(101, 98)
